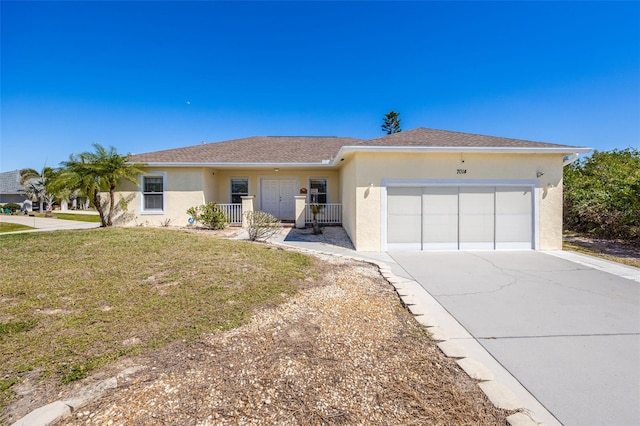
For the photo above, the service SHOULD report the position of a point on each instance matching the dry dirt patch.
(615, 250)
(341, 351)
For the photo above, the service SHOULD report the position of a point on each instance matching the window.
(239, 188)
(153, 194)
(318, 191)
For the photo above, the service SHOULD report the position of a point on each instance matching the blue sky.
(146, 76)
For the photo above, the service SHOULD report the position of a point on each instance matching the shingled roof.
(322, 150)
(10, 182)
(444, 138)
(256, 149)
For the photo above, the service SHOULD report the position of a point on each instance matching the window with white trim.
(153, 194)
(239, 189)
(318, 191)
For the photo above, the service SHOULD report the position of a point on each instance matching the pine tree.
(391, 122)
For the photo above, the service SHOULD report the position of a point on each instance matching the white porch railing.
(330, 213)
(233, 212)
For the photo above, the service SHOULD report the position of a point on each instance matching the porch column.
(301, 201)
(247, 206)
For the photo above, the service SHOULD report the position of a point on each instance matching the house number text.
(462, 171)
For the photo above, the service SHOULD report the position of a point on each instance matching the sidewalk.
(44, 224)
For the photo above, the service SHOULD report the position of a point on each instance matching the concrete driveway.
(569, 333)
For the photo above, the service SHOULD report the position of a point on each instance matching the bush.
(602, 195)
(12, 206)
(209, 216)
(261, 225)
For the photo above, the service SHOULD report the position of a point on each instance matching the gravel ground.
(331, 235)
(341, 351)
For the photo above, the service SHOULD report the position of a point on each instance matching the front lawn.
(11, 227)
(77, 216)
(73, 301)
(73, 216)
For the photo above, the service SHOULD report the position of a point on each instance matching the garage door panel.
(460, 217)
(476, 216)
(404, 218)
(513, 218)
(440, 218)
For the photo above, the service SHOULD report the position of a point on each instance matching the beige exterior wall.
(357, 185)
(184, 188)
(372, 168)
(223, 182)
(551, 203)
(210, 180)
(349, 207)
(187, 187)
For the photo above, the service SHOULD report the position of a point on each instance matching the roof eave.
(466, 149)
(328, 163)
(351, 149)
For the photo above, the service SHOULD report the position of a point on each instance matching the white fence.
(330, 213)
(233, 212)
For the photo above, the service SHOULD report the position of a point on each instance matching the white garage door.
(459, 218)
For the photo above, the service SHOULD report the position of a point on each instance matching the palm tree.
(38, 186)
(79, 176)
(95, 172)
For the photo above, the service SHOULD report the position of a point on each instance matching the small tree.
(315, 210)
(209, 215)
(391, 122)
(95, 172)
(261, 225)
(38, 186)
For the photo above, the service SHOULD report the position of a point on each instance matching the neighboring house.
(11, 191)
(422, 189)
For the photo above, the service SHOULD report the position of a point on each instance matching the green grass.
(11, 227)
(79, 217)
(73, 216)
(71, 299)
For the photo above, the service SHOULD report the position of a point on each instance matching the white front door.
(277, 197)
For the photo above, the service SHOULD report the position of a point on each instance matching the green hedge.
(602, 195)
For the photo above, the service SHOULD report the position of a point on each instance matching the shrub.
(12, 206)
(602, 194)
(208, 215)
(261, 225)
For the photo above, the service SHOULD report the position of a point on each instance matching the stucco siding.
(301, 177)
(187, 187)
(349, 206)
(209, 180)
(373, 168)
(183, 189)
(551, 204)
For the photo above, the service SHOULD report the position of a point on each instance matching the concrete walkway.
(43, 224)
